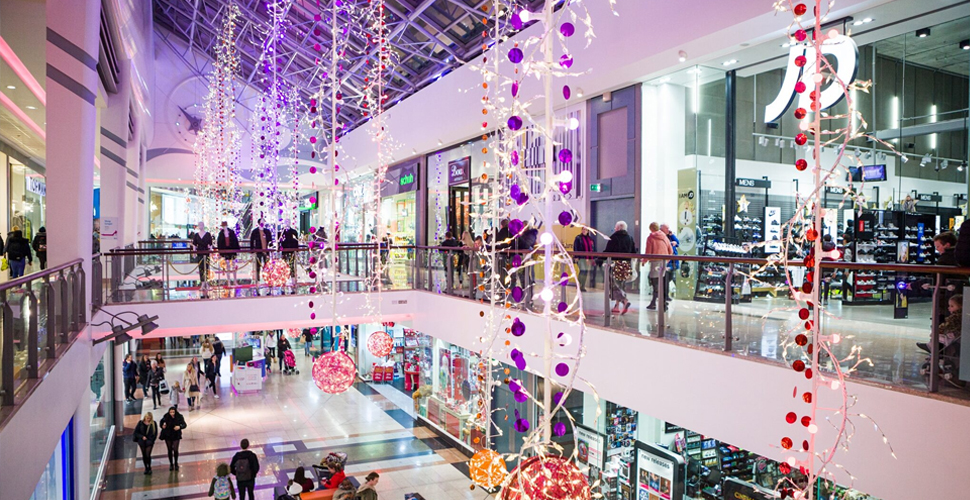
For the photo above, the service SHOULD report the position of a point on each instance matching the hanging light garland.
(380, 344)
(334, 372)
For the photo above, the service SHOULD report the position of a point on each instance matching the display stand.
(711, 278)
(248, 376)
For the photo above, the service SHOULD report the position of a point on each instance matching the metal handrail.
(99, 480)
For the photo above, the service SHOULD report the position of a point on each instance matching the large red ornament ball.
(546, 478)
(380, 344)
(487, 469)
(334, 372)
(294, 333)
(277, 272)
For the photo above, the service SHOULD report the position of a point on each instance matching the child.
(951, 327)
(173, 395)
(221, 487)
(346, 491)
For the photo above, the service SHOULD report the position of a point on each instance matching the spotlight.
(960, 167)
(729, 62)
(944, 164)
(579, 92)
(120, 333)
(868, 154)
(926, 159)
(682, 56)
(965, 45)
(923, 33)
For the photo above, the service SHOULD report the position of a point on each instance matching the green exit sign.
(407, 180)
(596, 188)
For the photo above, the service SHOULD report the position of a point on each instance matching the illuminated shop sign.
(400, 179)
(841, 52)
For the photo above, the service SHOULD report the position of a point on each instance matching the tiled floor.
(292, 423)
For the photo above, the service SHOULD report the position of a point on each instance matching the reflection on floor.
(291, 423)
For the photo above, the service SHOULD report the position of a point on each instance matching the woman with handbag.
(190, 381)
(145, 434)
(172, 425)
(584, 243)
(620, 242)
(156, 375)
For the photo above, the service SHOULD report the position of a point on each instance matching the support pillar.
(730, 151)
(116, 178)
(72, 85)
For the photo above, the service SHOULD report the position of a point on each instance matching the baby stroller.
(289, 360)
(323, 473)
(949, 364)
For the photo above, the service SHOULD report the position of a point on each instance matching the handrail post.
(72, 315)
(449, 270)
(728, 305)
(80, 290)
(607, 291)
(50, 305)
(65, 322)
(33, 318)
(6, 380)
(430, 275)
(661, 298)
(934, 342)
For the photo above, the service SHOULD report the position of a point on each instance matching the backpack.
(244, 471)
(220, 487)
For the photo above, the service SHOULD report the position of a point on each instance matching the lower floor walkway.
(291, 423)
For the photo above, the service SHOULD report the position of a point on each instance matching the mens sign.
(841, 52)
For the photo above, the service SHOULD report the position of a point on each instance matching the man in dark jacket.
(260, 239)
(18, 254)
(245, 466)
(40, 247)
(620, 242)
(218, 351)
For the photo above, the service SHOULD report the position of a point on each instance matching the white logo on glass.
(841, 52)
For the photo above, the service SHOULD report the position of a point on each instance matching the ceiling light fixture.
(682, 56)
(12, 87)
(30, 107)
(965, 45)
(729, 63)
(664, 79)
(923, 32)
(119, 333)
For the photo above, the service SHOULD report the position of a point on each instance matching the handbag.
(194, 388)
(163, 387)
(4, 264)
(622, 272)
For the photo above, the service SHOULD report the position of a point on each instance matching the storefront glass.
(28, 194)
(451, 377)
(57, 480)
(102, 416)
(454, 178)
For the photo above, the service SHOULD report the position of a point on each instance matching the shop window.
(57, 480)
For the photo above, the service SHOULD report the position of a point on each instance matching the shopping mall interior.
(484, 249)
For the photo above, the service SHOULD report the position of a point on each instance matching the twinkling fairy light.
(218, 144)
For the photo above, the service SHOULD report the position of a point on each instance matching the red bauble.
(801, 139)
(801, 165)
(546, 478)
(800, 113)
(800, 87)
(800, 61)
(811, 234)
(380, 344)
(334, 372)
(800, 9)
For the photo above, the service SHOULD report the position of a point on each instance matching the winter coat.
(129, 369)
(145, 434)
(621, 242)
(40, 243)
(584, 243)
(245, 455)
(658, 244)
(366, 492)
(188, 381)
(143, 370)
(256, 243)
(168, 425)
(156, 376)
(17, 247)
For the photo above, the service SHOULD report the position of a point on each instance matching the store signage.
(400, 179)
(772, 229)
(736, 489)
(752, 183)
(596, 188)
(460, 171)
(935, 198)
(659, 473)
(834, 190)
(309, 202)
(846, 54)
(37, 186)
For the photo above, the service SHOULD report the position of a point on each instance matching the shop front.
(453, 182)
(399, 194)
(732, 199)
(23, 188)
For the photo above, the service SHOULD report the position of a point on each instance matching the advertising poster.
(659, 473)
(460, 171)
(444, 374)
(736, 488)
(685, 275)
(772, 230)
(590, 446)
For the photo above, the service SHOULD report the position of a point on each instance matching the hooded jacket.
(658, 244)
(18, 248)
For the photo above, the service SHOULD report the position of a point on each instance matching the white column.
(115, 157)
(72, 83)
(663, 152)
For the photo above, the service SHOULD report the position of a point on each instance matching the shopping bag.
(163, 387)
(4, 265)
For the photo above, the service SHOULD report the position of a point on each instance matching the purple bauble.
(516, 260)
(522, 199)
(566, 61)
(565, 187)
(567, 29)
(565, 155)
(514, 157)
(515, 123)
(565, 218)
(559, 429)
(562, 307)
(520, 362)
(515, 190)
(521, 397)
(516, 226)
(562, 369)
(522, 425)
(516, 21)
(515, 89)
(517, 294)
(518, 327)
(566, 92)
(516, 55)
(514, 385)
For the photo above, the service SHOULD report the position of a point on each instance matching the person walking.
(221, 487)
(282, 345)
(672, 265)
(144, 369)
(206, 351)
(289, 246)
(210, 377)
(146, 431)
(450, 256)
(129, 372)
(307, 341)
(245, 465)
(202, 242)
(218, 351)
(190, 381)
(173, 423)
(368, 491)
(346, 491)
(228, 244)
(17, 252)
(174, 395)
(40, 247)
(584, 243)
(259, 242)
(658, 244)
(620, 242)
(155, 376)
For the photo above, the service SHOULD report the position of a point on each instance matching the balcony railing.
(42, 314)
(735, 305)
